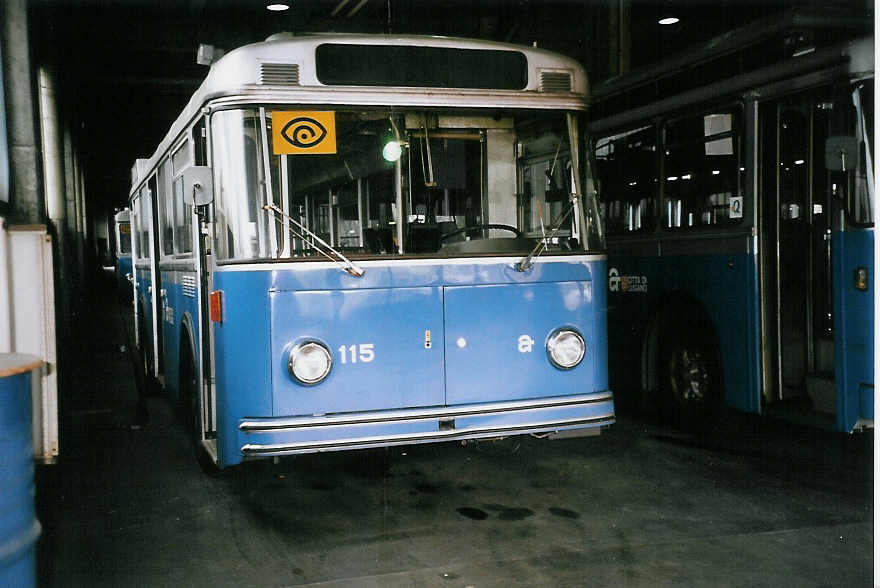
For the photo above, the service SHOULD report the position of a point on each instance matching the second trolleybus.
(737, 189)
(122, 253)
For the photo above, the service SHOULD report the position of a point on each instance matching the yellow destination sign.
(303, 133)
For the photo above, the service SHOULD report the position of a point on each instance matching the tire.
(690, 377)
(189, 396)
(145, 353)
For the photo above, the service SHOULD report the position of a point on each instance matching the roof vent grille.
(279, 74)
(555, 81)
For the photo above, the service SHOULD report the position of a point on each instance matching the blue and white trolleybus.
(737, 185)
(350, 241)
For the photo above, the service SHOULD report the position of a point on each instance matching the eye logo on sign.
(303, 133)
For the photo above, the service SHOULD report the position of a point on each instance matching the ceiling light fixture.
(277, 6)
(668, 20)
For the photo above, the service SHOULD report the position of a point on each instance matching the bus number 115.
(354, 353)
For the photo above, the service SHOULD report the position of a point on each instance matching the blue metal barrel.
(19, 527)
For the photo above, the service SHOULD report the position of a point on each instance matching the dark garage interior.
(772, 493)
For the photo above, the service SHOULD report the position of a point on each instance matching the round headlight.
(309, 362)
(566, 348)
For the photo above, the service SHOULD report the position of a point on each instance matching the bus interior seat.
(423, 238)
(379, 240)
(447, 227)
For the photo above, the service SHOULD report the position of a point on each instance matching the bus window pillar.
(501, 176)
(398, 199)
(362, 210)
(332, 212)
(285, 193)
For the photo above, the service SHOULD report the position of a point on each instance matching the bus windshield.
(123, 247)
(383, 181)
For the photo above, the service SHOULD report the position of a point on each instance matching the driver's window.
(444, 186)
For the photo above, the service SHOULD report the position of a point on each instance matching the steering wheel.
(513, 230)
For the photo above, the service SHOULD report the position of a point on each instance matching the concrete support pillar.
(619, 36)
(4, 144)
(26, 199)
(69, 191)
(53, 182)
(53, 165)
(70, 218)
(81, 233)
(624, 44)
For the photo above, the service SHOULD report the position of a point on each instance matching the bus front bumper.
(267, 437)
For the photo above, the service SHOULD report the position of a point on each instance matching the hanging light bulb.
(392, 146)
(392, 150)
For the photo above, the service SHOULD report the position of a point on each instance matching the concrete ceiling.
(126, 67)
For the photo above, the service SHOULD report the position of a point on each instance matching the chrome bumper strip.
(444, 412)
(255, 450)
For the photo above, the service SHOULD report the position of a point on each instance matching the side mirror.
(198, 185)
(841, 153)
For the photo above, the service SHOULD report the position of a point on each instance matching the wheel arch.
(676, 308)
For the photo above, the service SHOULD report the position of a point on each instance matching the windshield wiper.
(526, 262)
(345, 264)
(575, 197)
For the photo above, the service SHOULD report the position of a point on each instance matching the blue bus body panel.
(377, 340)
(496, 336)
(854, 328)
(242, 365)
(600, 325)
(719, 283)
(407, 392)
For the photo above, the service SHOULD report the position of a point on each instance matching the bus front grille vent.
(279, 74)
(555, 81)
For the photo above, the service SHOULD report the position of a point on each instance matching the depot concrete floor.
(752, 503)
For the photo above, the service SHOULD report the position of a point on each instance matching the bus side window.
(702, 186)
(182, 212)
(627, 174)
(144, 250)
(200, 141)
(166, 207)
